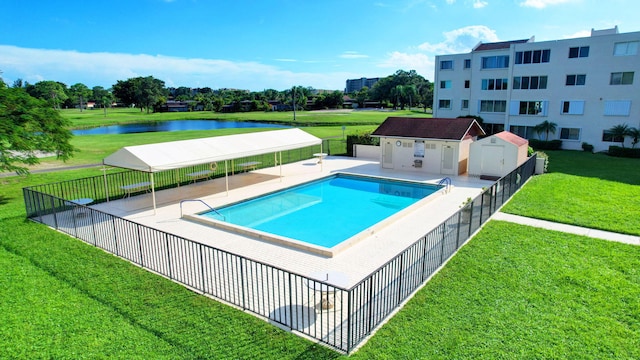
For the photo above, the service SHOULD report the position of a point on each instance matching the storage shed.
(434, 145)
(497, 155)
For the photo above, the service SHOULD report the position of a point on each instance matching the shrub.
(365, 139)
(618, 151)
(587, 147)
(545, 145)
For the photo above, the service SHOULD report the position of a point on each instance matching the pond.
(173, 125)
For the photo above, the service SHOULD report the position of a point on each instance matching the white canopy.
(180, 154)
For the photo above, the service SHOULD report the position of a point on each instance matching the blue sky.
(273, 44)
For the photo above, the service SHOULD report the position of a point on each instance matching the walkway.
(594, 233)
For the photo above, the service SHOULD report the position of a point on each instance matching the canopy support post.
(226, 176)
(153, 192)
(106, 187)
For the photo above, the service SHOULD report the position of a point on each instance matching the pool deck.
(355, 262)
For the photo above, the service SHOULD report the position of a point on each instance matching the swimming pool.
(321, 214)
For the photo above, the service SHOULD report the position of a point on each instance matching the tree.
(546, 127)
(79, 93)
(51, 91)
(103, 98)
(29, 125)
(361, 96)
(620, 132)
(634, 133)
(143, 92)
(401, 88)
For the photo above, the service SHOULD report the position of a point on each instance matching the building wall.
(354, 85)
(404, 157)
(582, 112)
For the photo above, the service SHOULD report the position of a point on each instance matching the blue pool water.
(327, 211)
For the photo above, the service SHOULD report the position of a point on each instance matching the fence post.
(140, 245)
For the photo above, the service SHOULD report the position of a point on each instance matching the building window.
(625, 48)
(575, 107)
(569, 133)
(467, 84)
(576, 52)
(529, 82)
(498, 106)
(533, 56)
(617, 107)
(467, 63)
(445, 84)
(607, 136)
(531, 108)
(495, 62)
(523, 131)
(464, 105)
(446, 65)
(494, 84)
(621, 78)
(573, 80)
(444, 104)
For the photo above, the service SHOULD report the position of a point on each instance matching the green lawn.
(591, 190)
(512, 292)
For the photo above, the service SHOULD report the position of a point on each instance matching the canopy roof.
(180, 154)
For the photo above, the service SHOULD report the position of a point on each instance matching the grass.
(512, 292)
(592, 190)
(93, 148)
(516, 292)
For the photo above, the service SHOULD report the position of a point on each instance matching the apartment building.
(583, 85)
(354, 85)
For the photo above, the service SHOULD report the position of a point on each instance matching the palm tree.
(546, 127)
(620, 132)
(634, 133)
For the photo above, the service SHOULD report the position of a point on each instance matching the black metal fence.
(341, 318)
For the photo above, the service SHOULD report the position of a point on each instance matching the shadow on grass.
(4, 200)
(580, 163)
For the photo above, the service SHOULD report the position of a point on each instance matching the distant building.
(354, 85)
(585, 85)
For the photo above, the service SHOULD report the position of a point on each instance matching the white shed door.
(492, 160)
(387, 155)
(448, 160)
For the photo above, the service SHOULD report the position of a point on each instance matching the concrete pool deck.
(355, 262)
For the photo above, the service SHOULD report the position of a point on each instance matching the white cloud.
(460, 40)
(455, 41)
(541, 4)
(105, 69)
(479, 4)
(421, 63)
(352, 55)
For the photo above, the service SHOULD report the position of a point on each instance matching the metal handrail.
(447, 182)
(207, 205)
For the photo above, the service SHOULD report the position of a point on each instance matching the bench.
(250, 165)
(76, 202)
(199, 175)
(137, 187)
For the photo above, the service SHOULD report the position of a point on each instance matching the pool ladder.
(447, 183)
(207, 205)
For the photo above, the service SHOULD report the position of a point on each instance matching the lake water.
(173, 125)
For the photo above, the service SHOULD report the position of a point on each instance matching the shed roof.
(512, 138)
(180, 154)
(429, 128)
